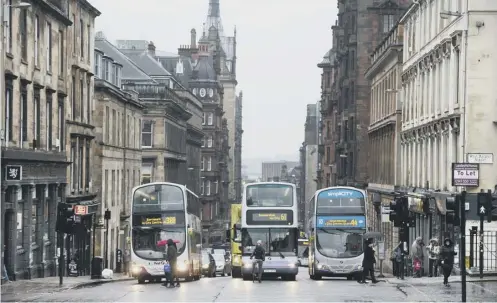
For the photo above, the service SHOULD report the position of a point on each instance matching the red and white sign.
(80, 210)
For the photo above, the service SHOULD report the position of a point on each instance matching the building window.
(203, 119)
(209, 141)
(107, 123)
(208, 188)
(23, 32)
(36, 117)
(9, 105)
(23, 136)
(74, 170)
(61, 53)
(20, 225)
(82, 37)
(108, 71)
(87, 167)
(388, 23)
(147, 132)
(73, 98)
(202, 187)
(210, 119)
(202, 164)
(74, 36)
(61, 123)
(88, 38)
(203, 142)
(82, 97)
(209, 164)
(8, 23)
(80, 165)
(49, 46)
(216, 187)
(147, 170)
(37, 40)
(89, 104)
(98, 64)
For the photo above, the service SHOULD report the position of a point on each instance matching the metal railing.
(489, 250)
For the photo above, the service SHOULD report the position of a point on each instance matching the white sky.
(279, 44)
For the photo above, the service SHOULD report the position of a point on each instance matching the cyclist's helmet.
(259, 242)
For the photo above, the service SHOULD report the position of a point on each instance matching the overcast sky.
(279, 44)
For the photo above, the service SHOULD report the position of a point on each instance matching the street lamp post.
(20, 5)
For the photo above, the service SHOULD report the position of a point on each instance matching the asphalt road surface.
(227, 289)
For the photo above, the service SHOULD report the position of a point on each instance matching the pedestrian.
(127, 261)
(399, 261)
(447, 259)
(368, 262)
(417, 255)
(172, 256)
(168, 274)
(433, 249)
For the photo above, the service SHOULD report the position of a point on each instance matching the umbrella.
(372, 235)
(164, 242)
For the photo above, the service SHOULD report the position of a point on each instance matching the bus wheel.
(349, 278)
(291, 278)
(246, 277)
(141, 281)
(315, 277)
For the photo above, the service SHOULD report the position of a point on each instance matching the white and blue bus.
(337, 225)
(269, 214)
(161, 211)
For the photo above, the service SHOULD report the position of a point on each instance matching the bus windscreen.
(340, 202)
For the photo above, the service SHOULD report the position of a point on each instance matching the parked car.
(208, 265)
(223, 265)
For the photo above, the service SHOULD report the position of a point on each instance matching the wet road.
(226, 289)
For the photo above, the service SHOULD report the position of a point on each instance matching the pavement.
(25, 289)
(227, 289)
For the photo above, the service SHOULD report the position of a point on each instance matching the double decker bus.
(337, 225)
(269, 214)
(161, 211)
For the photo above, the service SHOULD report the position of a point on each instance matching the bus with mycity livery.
(337, 224)
(161, 211)
(269, 214)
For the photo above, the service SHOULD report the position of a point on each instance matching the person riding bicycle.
(260, 256)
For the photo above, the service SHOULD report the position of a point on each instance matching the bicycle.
(258, 263)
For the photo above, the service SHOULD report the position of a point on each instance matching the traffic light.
(453, 215)
(492, 214)
(487, 204)
(65, 218)
(399, 211)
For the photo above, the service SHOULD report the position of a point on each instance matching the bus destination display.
(157, 220)
(284, 217)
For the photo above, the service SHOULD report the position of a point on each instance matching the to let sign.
(13, 172)
(465, 174)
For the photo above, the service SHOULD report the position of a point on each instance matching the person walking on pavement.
(433, 249)
(368, 262)
(447, 259)
(172, 257)
(399, 261)
(417, 255)
(127, 261)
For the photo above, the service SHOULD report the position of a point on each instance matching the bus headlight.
(291, 265)
(183, 266)
(247, 265)
(205, 266)
(359, 267)
(135, 269)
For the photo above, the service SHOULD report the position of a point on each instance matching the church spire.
(214, 9)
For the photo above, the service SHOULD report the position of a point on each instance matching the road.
(226, 289)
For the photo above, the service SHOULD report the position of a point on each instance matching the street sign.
(480, 158)
(13, 172)
(80, 210)
(465, 174)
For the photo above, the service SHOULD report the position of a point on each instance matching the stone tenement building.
(360, 27)
(117, 157)
(48, 107)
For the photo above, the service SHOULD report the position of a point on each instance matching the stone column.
(27, 226)
(40, 229)
(11, 240)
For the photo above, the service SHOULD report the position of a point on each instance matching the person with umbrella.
(172, 257)
(368, 262)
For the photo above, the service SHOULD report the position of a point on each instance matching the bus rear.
(337, 229)
(269, 214)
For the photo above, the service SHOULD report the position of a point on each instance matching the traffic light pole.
(482, 218)
(462, 247)
(60, 236)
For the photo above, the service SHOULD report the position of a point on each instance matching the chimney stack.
(193, 43)
(151, 49)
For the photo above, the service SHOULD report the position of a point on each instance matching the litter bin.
(97, 267)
